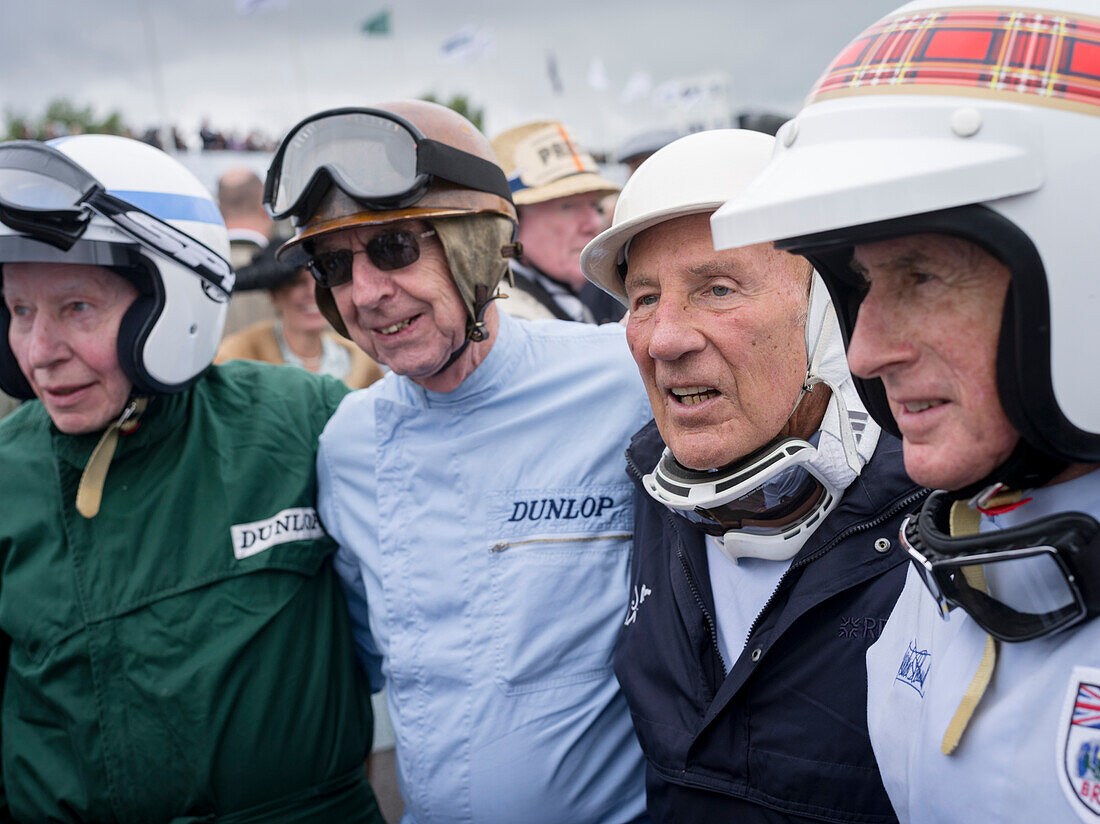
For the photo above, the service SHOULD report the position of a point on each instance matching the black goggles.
(381, 160)
(49, 197)
(1017, 583)
(387, 251)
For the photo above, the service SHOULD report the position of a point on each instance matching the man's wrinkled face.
(928, 327)
(410, 319)
(719, 338)
(554, 233)
(64, 335)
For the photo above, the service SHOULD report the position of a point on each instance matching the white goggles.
(765, 505)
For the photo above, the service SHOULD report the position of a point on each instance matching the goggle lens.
(1015, 607)
(770, 509)
(27, 189)
(1014, 594)
(370, 155)
(387, 252)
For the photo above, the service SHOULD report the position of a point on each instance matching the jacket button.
(756, 653)
(882, 545)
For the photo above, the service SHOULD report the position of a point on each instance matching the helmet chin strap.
(476, 332)
(1026, 468)
(827, 325)
(89, 492)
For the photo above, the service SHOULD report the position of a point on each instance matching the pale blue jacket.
(485, 541)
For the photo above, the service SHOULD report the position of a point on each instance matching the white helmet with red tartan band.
(981, 121)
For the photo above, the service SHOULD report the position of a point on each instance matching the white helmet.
(973, 119)
(693, 175)
(769, 503)
(141, 214)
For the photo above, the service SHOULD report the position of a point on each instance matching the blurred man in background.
(558, 192)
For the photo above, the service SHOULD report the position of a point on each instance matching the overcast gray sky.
(268, 69)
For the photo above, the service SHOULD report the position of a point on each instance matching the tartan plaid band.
(1030, 56)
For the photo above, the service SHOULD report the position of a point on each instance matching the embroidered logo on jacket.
(1079, 739)
(915, 664)
(635, 602)
(566, 509)
(296, 524)
(853, 626)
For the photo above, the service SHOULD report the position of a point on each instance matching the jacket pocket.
(557, 605)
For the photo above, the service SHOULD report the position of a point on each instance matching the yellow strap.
(964, 520)
(89, 493)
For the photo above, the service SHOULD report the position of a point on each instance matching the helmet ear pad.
(133, 330)
(12, 379)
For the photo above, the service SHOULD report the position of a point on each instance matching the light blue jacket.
(485, 540)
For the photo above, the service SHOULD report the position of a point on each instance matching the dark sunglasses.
(387, 251)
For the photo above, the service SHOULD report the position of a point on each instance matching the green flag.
(378, 25)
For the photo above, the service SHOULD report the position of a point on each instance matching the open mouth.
(691, 395)
(919, 406)
(394, 328)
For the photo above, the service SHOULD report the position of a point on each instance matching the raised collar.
(495, 371)
(164, 414)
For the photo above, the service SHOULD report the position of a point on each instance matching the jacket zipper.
(708, 619)
(500, 546)
(712, 626)
(843, 535)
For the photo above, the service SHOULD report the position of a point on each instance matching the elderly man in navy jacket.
(767, 510)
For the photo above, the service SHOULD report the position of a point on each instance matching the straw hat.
(543, 162)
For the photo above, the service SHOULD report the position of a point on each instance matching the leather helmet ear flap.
(327, 304)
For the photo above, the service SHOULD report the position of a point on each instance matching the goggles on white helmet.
(49, 197)
(378, 158)
(1017, 583)
(766, 505)
(121, 204)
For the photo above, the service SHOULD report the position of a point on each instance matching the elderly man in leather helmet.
(484, 529)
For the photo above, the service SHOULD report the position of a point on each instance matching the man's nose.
(46, 343)
(674, 331)
(370, 285)
(592, 218)
(879, 343)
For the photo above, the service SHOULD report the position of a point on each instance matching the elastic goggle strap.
(965, 520)
(89, 493)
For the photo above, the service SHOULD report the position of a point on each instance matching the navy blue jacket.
(781, 736)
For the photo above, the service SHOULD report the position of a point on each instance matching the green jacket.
(185, 655)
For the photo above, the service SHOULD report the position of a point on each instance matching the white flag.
(253, 6)
(467, 45)
(637, 86)
(597, 75)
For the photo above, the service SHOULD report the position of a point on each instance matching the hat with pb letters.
(543, 162)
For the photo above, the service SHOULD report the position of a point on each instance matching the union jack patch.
(1078, 752)
(1025, 55)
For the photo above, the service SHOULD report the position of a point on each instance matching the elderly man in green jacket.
(173, 643)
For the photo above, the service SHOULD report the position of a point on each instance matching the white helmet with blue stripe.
(171, 332)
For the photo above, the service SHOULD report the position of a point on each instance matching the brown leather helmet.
(475, 227)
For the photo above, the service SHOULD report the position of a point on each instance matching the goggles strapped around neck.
(49, 197)
(381, 160)
(765, 505)
(1042, 576)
